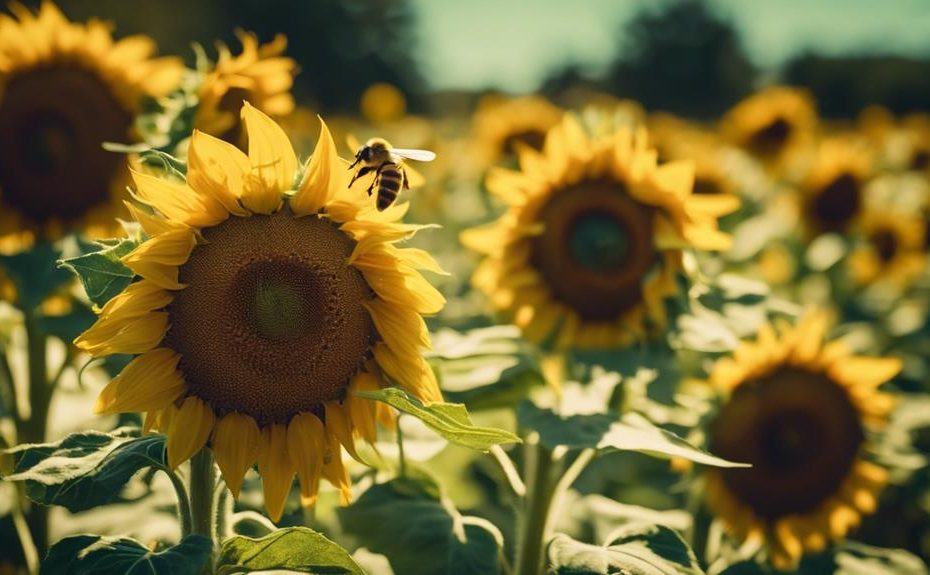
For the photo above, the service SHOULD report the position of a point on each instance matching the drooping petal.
(272, 159)
(363, 412)
(190, 428)
(306, 444)
(276, 469)
(158, 258)
(334, 471)
(412, 372)
(401, 328)
(236, 445)
(339, 424)
(150, 382)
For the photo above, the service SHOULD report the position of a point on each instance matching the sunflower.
(832, 190)
(678, 139)
(797, 408)
(65, 88)
(593, 237)
(382, 103)
(894, 250)
(262, 308)
(503, 125)
(260, 74)
(772, 125)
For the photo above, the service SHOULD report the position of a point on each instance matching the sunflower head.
(591, 241)
(832, 190)
(772, 124)
(65, 88)
(503, 126)
(382, 103)
(798, 409)
(893, 250)
(268, 294)
(259, 74)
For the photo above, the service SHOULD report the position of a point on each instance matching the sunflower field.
(270, 301)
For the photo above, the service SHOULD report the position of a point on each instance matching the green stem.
(402, 462)
(585, 457)
(202, 485)
(30, 553)
(184, 503)
(509, 470)
(533, 525)
(224, 510)
(33, 430)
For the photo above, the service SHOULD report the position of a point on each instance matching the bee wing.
(418, 155)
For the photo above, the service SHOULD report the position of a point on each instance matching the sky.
(512, 44)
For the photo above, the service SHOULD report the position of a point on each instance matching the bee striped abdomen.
(389, 184)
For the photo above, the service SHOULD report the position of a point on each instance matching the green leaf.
(34, 273)
(632, 550)
(419, 533)
(450, 420)
(85, 469)
(95, 554)
(631, 432)
(101, 272)
(70, 325)
(485, 368)
(297, 549)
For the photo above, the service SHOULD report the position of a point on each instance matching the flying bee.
(387, 162)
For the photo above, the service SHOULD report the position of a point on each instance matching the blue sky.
(512, 44)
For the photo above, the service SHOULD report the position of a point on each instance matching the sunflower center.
(231, 102)
(53, 121)
(770, 139)
(272, 321)
(535, 139)
(837, 203)
(801, 433)
(706, 186)
(885, 243)
(920, 159)
(596, 249)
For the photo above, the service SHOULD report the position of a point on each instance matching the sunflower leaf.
(635, 549)
(606, 432)
(297, 549)
(86, 554)
(102, 274)
(426, 533)
(450, 420)
(86, 469)
(485, 368)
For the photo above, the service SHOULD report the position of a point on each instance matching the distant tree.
(342, 46)
(683, 59)
(844, 86)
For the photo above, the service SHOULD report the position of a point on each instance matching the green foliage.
(847, 558)
(420, 533)
(86, 469)
(630, 432)
(296, 549)
(101, 272)
(34, 273)
(70, 325)
(95, 554)
(633, 550)
(450, 420)
(485, 368)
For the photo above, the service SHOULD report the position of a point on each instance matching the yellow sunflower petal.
(410, 371)
(363, 412)
(179, 202)
(326, 175)
(306, 444)
(191, 426)
(137, 334)
(401, 328)
(334, 471)
(150, 382)
(158, 258)
(276, 469)
(865, 371)
(217, 169)
(340, 425)
(272, 159)
(236, 444)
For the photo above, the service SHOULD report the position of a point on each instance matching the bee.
(387, 162)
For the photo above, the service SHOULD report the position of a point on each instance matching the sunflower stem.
(534, 513)
(202, 490)
(33, 430)
(224, 510)
(585, 457)
(402, 462)
(184, 503)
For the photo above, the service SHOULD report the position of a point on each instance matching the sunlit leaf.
(101, 272)
(419, 533)
(297, 549)
(633, 550)
(450, 420)
(95, 554)
(631, 432)
(85, 469)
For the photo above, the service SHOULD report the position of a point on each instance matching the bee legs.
(361, 172)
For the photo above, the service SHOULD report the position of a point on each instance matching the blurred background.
(688, 57)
